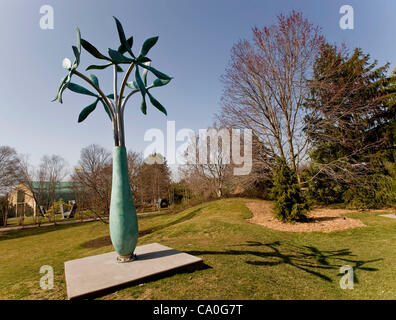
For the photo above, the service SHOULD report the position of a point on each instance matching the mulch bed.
(320, 219)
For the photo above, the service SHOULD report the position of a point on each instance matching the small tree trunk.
(5, 217)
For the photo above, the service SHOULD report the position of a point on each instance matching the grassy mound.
(245, 261)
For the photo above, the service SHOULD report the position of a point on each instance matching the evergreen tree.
(290, 203)
(351, 127)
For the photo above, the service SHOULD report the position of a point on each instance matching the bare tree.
(211, 170)
(153, 180)
(9, 169)
(92, 180)
(260, 176)
(52, 170)
(265, 85)
(30, 177)
(10, 175)
(135, 163)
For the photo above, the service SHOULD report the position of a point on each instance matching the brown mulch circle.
(320, 219)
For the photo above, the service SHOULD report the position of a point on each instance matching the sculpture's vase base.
(123, 219)
(129, 258)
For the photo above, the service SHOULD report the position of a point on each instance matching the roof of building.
(64, 189)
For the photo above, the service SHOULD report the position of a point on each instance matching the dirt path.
(321, 219)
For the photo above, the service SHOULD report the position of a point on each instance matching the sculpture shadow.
(157, 254)
(306, 258)
(106, 241)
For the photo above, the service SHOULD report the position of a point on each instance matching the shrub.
(55, 208)
(378, 192)
(290, 204)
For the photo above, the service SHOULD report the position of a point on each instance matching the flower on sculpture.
(66, 64)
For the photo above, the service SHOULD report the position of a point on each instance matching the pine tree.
(351, 128)
(290, 203)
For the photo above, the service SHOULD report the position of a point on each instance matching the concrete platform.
(92, 276)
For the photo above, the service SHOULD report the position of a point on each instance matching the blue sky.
(195, 39)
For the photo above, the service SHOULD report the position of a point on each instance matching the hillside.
(243, 260)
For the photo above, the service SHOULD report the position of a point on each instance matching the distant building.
(24, 204)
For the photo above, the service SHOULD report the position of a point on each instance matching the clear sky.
(195, 39)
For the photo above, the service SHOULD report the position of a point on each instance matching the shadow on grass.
(14, 234)
(95, 243)
(106, 241)
(306, 258)
(186, 217)
(322, 219)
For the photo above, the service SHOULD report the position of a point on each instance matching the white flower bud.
(66, 63)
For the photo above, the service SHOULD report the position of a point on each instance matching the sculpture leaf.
(158, 83)
(62, 86)
(117, 57)
(144, 75)
(77, 55)
(121, 35)
(122, 49)
(80, 89)
(78, 40)
(143, 106)
(106, 108)
(156, 103)
(101, 67)
(139, 82)
(159, 74)
(86, 111)
(92, 50)
(132, 85)
(94, 79)
(143, 59)
(147, 45)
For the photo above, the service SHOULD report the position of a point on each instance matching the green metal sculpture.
(123, 219)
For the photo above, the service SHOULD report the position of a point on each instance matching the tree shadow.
(322, 219)
(20, 233)
(186, 217)
(99, 242)
(306, 258)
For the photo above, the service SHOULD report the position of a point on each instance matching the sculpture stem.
(123, 218)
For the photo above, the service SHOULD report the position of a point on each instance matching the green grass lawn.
(14, 221)
(244, 261)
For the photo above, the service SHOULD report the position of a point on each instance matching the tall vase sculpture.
(123, 218)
